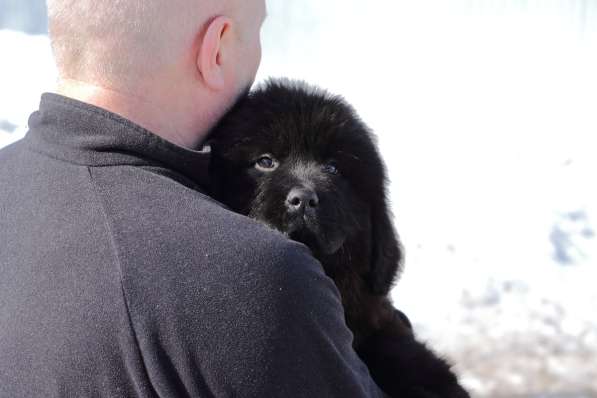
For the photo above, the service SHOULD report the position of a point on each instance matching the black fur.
(322, 182)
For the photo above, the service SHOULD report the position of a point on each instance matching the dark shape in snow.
(568, 237)
(577, 216)
(7, 126)
(29, 16)
(561, 243)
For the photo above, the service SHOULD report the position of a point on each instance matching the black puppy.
(301, 161)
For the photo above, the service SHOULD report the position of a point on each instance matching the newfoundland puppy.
(301, 161)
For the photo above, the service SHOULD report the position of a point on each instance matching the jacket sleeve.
(265, 324)
(309, 347)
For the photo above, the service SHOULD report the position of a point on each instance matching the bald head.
(118, 39)
(186, 60)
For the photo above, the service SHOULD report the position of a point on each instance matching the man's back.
(120, 278)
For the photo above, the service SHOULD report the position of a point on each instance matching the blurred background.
(486, 113)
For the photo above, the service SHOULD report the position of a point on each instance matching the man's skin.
(197, 68)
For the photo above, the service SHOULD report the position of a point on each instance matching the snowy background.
(486, 113)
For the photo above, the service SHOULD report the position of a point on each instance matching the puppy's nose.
(301, 199)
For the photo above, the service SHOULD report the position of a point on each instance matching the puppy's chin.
(332, 246)
(302, 232)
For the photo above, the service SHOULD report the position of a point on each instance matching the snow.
(512, 334)
(26, 70)
(486, 118)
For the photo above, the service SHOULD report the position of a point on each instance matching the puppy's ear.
(386, 251)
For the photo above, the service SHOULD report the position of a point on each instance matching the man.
(118, 276)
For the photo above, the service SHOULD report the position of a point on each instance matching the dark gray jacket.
(120, 278)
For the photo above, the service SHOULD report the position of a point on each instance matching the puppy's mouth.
(304, 230)
(306, 236)
(301, 228)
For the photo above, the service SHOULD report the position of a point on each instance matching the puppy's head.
(300, 160)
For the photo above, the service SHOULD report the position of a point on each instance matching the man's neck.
(172, 120)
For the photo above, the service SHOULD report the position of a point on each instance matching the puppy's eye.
(330, 168)
(266, 163)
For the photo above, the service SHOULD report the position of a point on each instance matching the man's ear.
(213, 53)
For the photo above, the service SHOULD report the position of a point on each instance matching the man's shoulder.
(155, 220)
(9, 152)
(180, 246)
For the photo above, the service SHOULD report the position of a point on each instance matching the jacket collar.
(84, 134)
